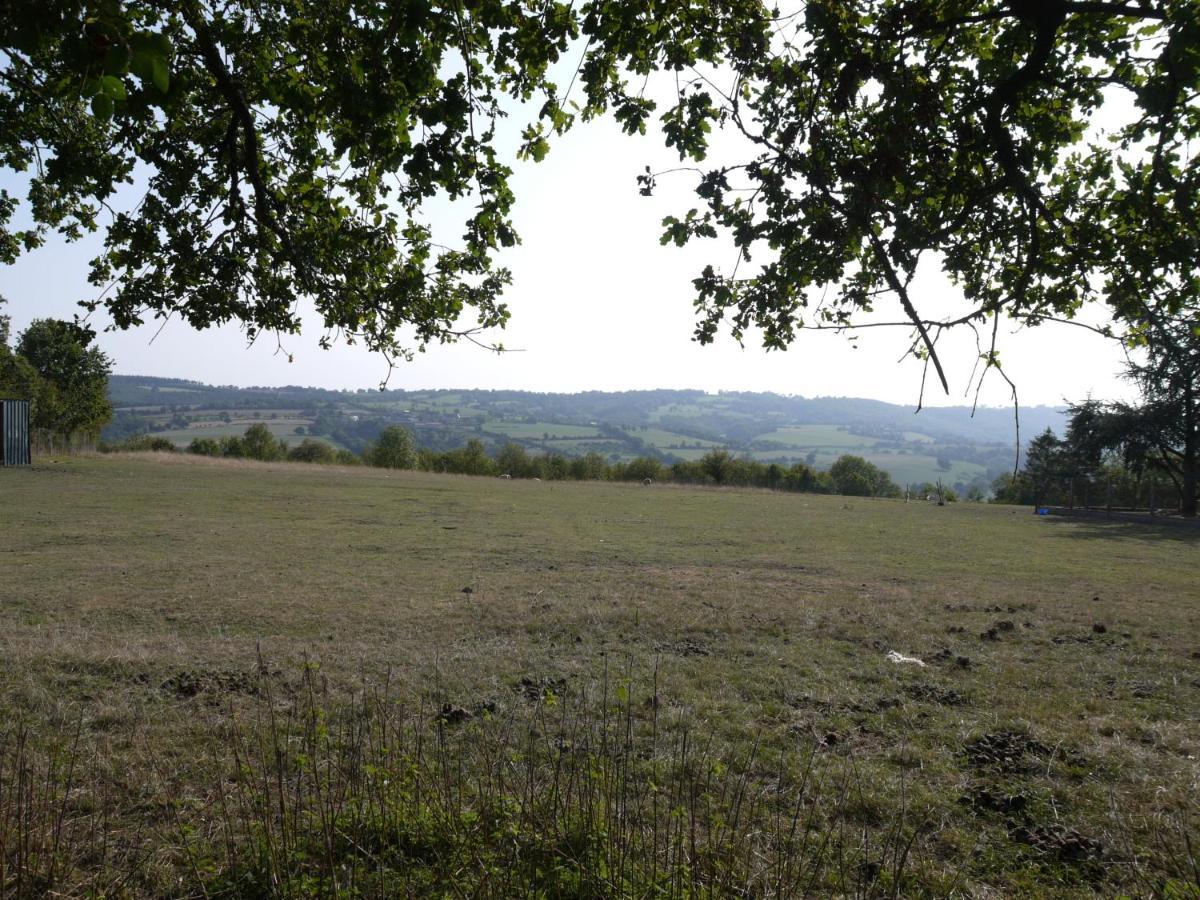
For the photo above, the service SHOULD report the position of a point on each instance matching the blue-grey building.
(14, 433)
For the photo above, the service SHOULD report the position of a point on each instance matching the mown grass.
(232, 678)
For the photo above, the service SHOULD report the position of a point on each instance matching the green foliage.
(72, 397)
(514, 460)
(205, 447)
(716, 465)
(469, 460)
(291, 147)
(895, 134)
(310, 451)
(640, 469)
(855, 477)
(1161, 433)
(144, 443)
(394, 449)
(589, 467)
(1042, 480)
(233, 447)
(802, 477)
(258, 443)
(21, 381)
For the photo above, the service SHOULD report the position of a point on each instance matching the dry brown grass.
(144, 593)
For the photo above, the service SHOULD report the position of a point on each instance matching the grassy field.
(284, 429)
(656, 437)
(819, 437)
(232, 679)
(903, 467)
(535, 430)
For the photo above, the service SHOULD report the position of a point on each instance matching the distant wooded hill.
(946, 443)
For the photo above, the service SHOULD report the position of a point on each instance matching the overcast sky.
(597, 304)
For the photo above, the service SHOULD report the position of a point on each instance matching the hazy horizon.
(712, 393)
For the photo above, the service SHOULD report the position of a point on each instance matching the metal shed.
(14, 433)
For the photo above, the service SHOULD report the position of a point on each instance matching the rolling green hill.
(946, 443)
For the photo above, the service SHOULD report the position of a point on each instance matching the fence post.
(1086, 482)
(1151, 498)
(1071, 493)
(1108, 496)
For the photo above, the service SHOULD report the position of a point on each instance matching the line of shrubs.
(257, 443)
(396, 449)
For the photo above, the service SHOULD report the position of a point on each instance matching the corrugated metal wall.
(14, 433)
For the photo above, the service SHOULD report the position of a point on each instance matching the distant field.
(817, 437)
(914, 468)
(904, 468)
(656, 437)
(281, 428)
(690, 453)
(205, 625)
(535, 430)
(677, 409)
(577, 446)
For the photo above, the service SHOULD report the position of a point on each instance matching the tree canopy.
(289, 149)
(1160, 432)
(1120, 444)
(55, 366)
(902, 133)
(395, 449)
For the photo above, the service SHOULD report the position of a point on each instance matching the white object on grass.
(899, 658)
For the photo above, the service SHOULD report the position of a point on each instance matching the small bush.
(233, 447)
(143, 443)
(310, 451)
(258, 443)
(204, 447)
(395, 449)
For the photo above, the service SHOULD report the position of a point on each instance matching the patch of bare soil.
(685, 647)
(213, 683)
(932, 693)
(985, 799)
(1058, 841)
(538, 688)
(1007, 751)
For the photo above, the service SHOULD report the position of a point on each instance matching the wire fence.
(1111, 496)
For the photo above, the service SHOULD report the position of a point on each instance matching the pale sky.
(597, 304)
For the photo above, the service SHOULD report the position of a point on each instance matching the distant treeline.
(396, 449)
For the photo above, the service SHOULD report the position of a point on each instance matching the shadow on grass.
(1116, 530)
